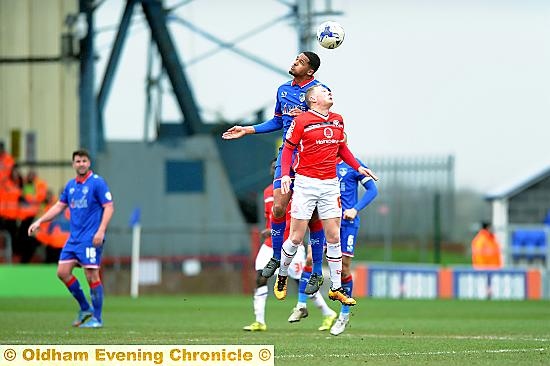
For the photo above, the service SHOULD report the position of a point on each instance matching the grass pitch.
(381, 332)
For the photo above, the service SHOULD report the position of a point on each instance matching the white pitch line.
(430, 353)
(465, 337)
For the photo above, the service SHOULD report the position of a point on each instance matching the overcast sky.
(413, 77)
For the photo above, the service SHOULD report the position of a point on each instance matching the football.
(330, 34)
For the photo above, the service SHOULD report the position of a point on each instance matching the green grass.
(381, 332)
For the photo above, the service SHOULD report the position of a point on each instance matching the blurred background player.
(290, 102)
(91, 206)
(349, 180)
(320, 135)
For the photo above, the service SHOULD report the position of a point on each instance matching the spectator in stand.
(6, 164)
(34, 193)
(10, 194)
(54, 234)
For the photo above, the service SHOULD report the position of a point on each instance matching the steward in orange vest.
(54, 234)
(34, 193)
(486, 250)
(10, 194)
(6, 164)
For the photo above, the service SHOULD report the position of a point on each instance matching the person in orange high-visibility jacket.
(6, 164)
(34, 195)
(10, 194)
(485, 249)
(53, 234)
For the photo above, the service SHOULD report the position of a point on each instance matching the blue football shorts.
(86, 254)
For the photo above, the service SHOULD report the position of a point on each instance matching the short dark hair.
(314, 60)
(81, 152)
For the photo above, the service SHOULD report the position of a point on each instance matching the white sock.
(344, 316)
(301, 305)
(288, 251)
(260, 296)
(319, 301)
(334, 259)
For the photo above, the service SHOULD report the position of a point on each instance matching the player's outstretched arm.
(236, 132)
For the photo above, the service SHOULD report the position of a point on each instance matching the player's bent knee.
(64, 275)
(279, 211)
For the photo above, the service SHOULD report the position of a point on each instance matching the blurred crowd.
(23, 198)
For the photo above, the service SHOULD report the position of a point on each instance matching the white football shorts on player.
(313, 192)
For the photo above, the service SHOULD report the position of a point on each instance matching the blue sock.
(277, 236)
(302, 297)
(347, 284)
(96, 292)
(317, 240)
(74, 288)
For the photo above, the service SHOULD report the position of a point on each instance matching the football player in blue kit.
(290, 102)
(91, 207)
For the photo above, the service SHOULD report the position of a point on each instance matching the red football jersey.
(317, 139)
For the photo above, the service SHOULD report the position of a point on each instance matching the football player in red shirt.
(318, 135)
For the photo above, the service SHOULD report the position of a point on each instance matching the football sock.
(320, 303)
(96, 293)
(74, 288)
(278, 225)
(347, 284)
(287, 253)
(260, 297)
(317, 241)
(334, 259)
(302, 297)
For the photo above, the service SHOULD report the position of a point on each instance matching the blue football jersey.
(349, 179)
(289, 96)
(85, 201)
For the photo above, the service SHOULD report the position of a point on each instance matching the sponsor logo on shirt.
(80, 203)
(327, 141)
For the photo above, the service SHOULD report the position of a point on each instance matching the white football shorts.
(313, 192)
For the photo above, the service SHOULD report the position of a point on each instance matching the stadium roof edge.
(516, 187)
